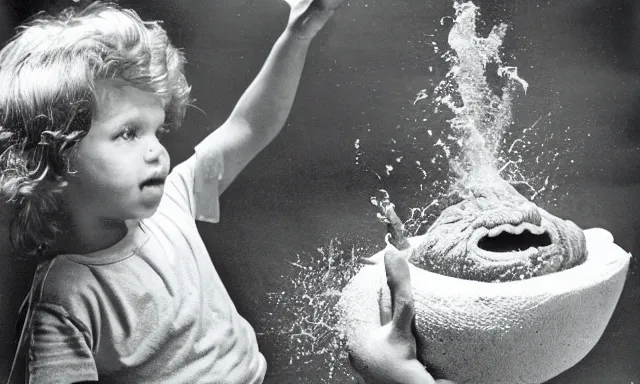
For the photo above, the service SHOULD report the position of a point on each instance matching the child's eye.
(129, 133)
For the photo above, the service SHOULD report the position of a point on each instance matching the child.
(126, 291)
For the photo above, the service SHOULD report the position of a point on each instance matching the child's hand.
(388, 355)
(307, 17)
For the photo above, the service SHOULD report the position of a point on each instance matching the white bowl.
(491, 333)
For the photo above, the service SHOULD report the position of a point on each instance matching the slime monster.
(504, 292)
(494, 234)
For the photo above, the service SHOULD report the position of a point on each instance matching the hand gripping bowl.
(525, 331)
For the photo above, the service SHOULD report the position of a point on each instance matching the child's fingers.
(399, 281)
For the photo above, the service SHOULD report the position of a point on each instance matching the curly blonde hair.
(48, 73)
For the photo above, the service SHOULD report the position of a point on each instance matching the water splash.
(482, 110)
(308, 338)
(479, 90)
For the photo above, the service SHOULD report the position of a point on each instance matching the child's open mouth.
(155, 182)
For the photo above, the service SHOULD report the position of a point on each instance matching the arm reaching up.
(264, 107)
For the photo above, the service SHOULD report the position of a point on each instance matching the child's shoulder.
(60, 281)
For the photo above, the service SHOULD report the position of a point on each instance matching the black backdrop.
(580, 57)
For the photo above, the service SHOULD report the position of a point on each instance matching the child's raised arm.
(264, 107)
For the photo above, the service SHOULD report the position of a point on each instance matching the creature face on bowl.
(495, 234)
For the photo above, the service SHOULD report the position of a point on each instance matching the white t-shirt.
(149, 309)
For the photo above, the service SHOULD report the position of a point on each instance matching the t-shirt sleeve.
(193, 185)
(59, 349)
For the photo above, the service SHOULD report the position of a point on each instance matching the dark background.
(580, 57)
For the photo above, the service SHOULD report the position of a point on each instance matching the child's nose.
(154, 151)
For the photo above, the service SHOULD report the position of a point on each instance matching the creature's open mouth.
(507, 238)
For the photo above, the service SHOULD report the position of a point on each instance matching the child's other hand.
(388, 355)
(307, 17)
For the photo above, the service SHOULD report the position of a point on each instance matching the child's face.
(120, 152)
